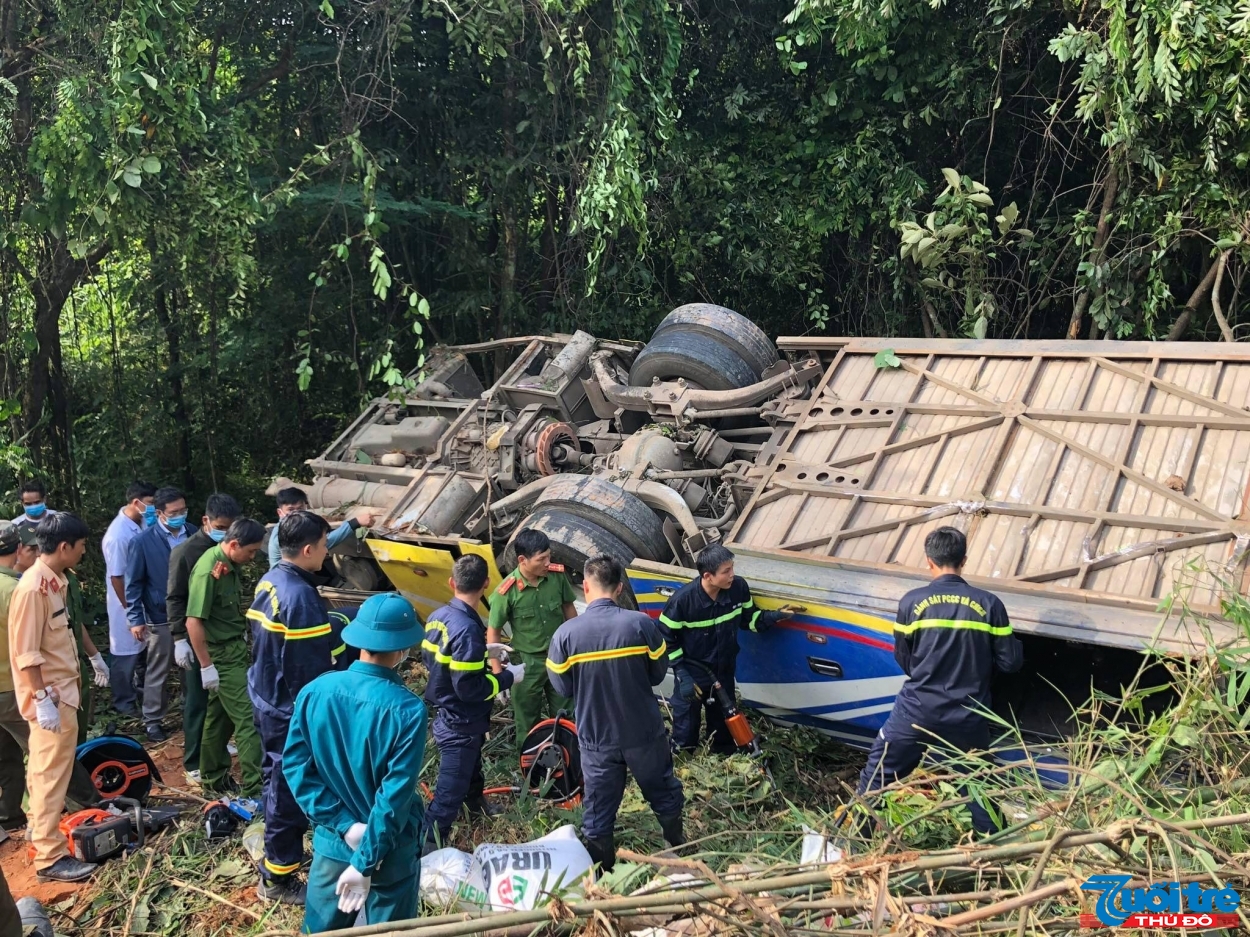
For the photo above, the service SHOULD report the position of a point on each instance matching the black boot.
(673, 834)
(602, 852)
(481, 806)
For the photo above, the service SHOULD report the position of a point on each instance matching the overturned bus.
(1104, 488)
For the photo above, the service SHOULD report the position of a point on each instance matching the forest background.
(224, 225)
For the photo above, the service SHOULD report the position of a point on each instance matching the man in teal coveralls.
(352, 759)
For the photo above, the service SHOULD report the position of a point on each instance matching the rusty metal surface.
(1104, 472)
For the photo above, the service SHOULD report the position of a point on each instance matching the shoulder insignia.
(506, 585)
(556, 567)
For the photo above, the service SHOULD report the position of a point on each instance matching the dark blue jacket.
(461, 686)
(608, 659)
(949, 639)
(705, 631)
(292, 638)
(147, 574)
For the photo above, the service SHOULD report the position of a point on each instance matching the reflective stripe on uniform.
(998, 631)
(676, 654)
(281, 869)
(734, 612)
(610, 654)
(291, 634)
(446, 659)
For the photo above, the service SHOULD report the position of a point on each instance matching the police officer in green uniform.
(217, 630)
(536, 600)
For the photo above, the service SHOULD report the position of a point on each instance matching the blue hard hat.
(385, 623)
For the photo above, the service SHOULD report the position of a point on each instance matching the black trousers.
(459, 778)
(687, 713)
(285, 823)
(900, 746)
(603, 774)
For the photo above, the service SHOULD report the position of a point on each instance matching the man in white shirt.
(136, 514)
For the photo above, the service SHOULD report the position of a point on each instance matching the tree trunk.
(1099, 251)
(45, 407)
(167, 316)
(1181, 325)
(550, 246)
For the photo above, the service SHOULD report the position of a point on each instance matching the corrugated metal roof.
(1108, 471)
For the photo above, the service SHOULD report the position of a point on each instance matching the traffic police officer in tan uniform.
(536, 599)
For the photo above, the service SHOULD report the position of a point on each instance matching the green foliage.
(215, 220)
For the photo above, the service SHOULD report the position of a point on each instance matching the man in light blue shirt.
(147, 577)
(293, 499)
(352, 759)
(124, 647)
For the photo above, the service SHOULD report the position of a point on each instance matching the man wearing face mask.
(291, 501)
(217, 630)
(220, 511)
(34, 497)
(136, 514)
(147, 578)
(292, 643)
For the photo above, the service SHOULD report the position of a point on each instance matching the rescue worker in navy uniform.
(462, 688)
(949, 638)
(700, 625)
(293, 643)
(609, 659)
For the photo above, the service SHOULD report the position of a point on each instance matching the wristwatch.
(41, 695)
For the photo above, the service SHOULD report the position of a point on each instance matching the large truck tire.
(612, 509)
(695, 356)
(731, 329)
(574, 540)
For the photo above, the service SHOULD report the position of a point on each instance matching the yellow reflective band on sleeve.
(291, 634)
(676, 653)
(313, 631)
(588, 657)
(755, 618)
(494, 685)
(998, 631)
(708, 622)
(265, 622)
(463, 664)
(658, 652)
(338, 650)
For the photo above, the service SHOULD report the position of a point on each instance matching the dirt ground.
(14, 857)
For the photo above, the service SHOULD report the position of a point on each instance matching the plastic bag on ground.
(443, 872)
(525, 876)
(817, 849)
(254, 840)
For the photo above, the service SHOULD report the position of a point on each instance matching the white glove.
(498, 652)
(505, 697)
(101, 669)
(518, 673)
(354, 835)
(184, 654)
(47, 714)
(210, 678)
(352, 889)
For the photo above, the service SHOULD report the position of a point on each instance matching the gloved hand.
(497, 652)
(518, 673)
(101, 669)
(184, 654)
(687, 689)
(352, 889)
(47, 714)
(210, 678)
(354, 835)
(766, 621)
(505, 697)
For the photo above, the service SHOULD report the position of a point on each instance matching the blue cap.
(385, 623)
